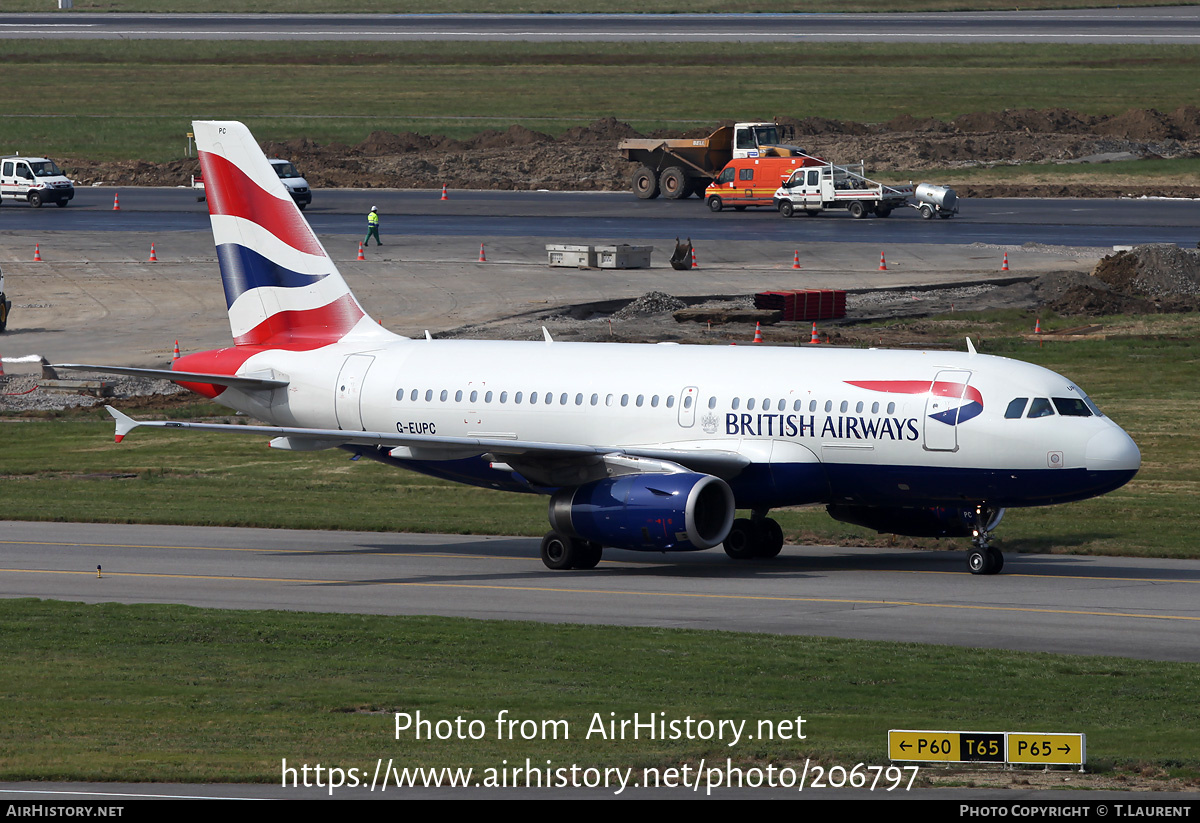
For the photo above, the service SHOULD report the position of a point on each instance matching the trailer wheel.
(674, 183)
(645, 183)
(715, 204)
(786, 209)
(857, 210)
(926, 212)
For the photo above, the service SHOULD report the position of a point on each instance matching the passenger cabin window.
(1040, 407)
(745, 174)
(1071, 407)
(1016, 408)
(814, 177)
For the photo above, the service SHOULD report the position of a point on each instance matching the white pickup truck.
(34, 179)
(813, 190)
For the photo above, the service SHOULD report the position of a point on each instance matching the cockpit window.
(1072, 407)
(1040, 407)
(1016, 408)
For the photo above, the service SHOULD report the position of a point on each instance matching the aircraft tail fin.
(281, 287)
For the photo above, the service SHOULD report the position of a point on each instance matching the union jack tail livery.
(281, 287)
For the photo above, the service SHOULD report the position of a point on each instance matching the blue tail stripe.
(243, 269)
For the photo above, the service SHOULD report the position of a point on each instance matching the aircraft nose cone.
(1112, 450)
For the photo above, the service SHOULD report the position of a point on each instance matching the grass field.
(170, 693)
(136, 100)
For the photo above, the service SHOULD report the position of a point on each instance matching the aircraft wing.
(717, 462)
(232, 380)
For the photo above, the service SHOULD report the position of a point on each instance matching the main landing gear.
(984, 558)
(562, 552)
(755, 537)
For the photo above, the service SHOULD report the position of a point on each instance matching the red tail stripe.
(231, 193)
(307, 329)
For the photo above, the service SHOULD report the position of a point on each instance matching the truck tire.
(882, 211)
(674, 183)
(35, 200)
(786, 208)
(62, 204)
(4, 304)
(858, 210)
(645, 183)
(715, 204)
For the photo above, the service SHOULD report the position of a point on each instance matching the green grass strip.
(136, 100)
(172, 693)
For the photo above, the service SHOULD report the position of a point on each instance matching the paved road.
(1108, 26)
(575, 216)
(1078, 605)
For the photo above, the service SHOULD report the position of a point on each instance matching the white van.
(296, 185)
(35, 179)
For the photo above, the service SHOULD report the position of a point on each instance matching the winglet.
(546, 335)
(125, 423)
(970, 346)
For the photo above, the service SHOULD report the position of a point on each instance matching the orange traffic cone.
(175, 356)
(444, 195)
(1, 366)
(482, 259)
(1005, 266)
(695, 265)
(153, 256)
(361, 256)
(814, 339)
(796, 259)
(37, 253)
(882, 262)
(1037, 326)
(758, 333)
(116, 202)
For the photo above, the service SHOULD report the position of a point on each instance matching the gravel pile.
(655, 302)
(24, 392)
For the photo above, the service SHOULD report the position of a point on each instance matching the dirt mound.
(651, 303)
(1141, 124)
(585, 157)
(1160, 271)
(605, 130)
(517, 136)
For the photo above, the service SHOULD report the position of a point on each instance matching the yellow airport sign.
(1047, 749)
(960, 747)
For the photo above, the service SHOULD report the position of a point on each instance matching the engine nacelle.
(651, 512)
(927, 522)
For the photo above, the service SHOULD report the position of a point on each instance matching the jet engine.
(680, 511)
(928, 522)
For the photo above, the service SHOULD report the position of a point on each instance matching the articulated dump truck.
(679, 167)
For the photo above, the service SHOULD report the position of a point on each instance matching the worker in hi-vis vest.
(372, 227)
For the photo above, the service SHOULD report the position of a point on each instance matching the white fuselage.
(803, 410)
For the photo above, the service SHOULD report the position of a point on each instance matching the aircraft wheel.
(589, 555)
(978, 561)
(558, 551)
(741, 541)
(772, 538)
(997, 559)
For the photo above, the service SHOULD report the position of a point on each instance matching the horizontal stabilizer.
(718, 462)
(232, 380)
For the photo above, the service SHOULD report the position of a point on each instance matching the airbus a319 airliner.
(642, 447)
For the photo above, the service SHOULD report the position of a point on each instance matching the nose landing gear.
(983, 558)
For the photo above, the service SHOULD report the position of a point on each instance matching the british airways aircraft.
(642, 447)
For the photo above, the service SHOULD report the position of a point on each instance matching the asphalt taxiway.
(1126, 607)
